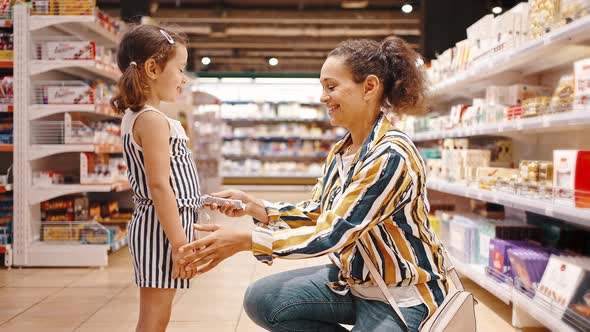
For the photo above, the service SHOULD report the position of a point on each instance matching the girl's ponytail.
(132, 90)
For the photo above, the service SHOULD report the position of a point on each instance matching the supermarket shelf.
(545, 123)
(66, 254)
(87, 69)
(38, 111)
(6, 148)
(477, 273)
(118, 244)
(276, 158)
(250, 122)
(84, 26)
(5, 188)
(282, 138)
(536, 311)
(6, 108)
(39, 194)
(572, 215)
(557, 48)
(39, 151)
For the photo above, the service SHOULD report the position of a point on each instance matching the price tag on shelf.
(549, 211)
(545, 121)
(500, 127)
(518, 123)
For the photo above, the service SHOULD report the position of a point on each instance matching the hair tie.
(132, 63)
(167, 36)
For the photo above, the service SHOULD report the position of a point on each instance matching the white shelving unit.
(542, 62)
(27, 249)
(557, 48)
(572, 215)
(539, 124)
(508, 294)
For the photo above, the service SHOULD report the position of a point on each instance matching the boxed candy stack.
(527, 266)
(582, 85)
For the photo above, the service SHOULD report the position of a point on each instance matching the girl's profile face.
(169, 82)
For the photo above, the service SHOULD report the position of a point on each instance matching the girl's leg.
(155, 307)
(299, 300)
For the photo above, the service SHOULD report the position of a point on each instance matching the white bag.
(455, 314)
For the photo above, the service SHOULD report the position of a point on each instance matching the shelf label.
(549, 211)
(519, 125)
(546, 121)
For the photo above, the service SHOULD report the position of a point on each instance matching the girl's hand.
(206, 253)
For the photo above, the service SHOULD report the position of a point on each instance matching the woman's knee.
(258, 302)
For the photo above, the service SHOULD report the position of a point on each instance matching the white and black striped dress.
(149, 247)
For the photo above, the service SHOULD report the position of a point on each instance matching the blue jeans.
(300, 300)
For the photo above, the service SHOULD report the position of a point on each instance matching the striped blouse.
(382, 202)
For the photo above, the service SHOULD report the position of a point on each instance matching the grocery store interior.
(505, 143)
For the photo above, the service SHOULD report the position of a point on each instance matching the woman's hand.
(229, 210)
(178, 265)
(206, 253)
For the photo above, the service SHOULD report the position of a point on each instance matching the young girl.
(162, 172)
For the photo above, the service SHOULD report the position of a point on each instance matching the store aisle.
(93, 300)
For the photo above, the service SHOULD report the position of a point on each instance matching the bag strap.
(380, 282)
(448, 267)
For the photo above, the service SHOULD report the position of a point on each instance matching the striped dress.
(149, 247)
(381, 201)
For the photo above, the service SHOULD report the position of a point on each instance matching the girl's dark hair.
(140, 43)
(394, 62)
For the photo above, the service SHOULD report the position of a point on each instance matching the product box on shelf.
(571, 181)
(563, 96)
(570, 10)
(527, 265)
(71, 50)
(6, 90)
(101, 169)
(562, 278)
(463, 239)
(582, 84)
(44, 178)
(578, 313)
(543, 15)
(73, 94)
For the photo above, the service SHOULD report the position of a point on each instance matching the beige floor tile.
(17, 300)
(68, 305)
(120, 309)
(107, 327)
(10, 275)
(218, 326)
(39, 326)
(50, 277)
(206, 308)
(105, 278)
(247, 325)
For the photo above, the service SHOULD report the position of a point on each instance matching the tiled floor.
(98, 300)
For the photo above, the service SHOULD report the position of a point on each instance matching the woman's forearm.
(255, 208)
(167, 212)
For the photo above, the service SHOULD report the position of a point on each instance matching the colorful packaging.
(582, 84)
(563, 96)
(71, 50)
(527, 265)
(560, 282)
(571, 181)
(82, 94)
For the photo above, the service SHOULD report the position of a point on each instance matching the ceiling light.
(205, 60)
(497, 10)
(273, 61)
(354, 4)
(407, 8)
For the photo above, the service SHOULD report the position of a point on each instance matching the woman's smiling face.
(343, 97)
